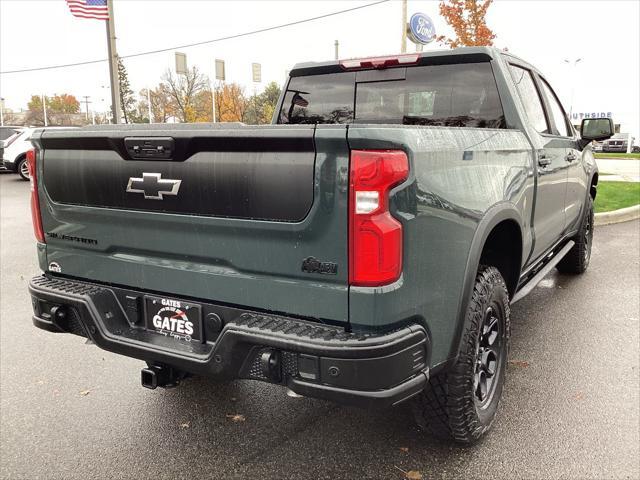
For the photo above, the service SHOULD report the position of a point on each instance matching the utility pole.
(86, 104)
(113, 64)
(403, 45)
(1, 112)
(44, 109)
(336, 44)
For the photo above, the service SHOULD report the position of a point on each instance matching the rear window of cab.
(453, 95)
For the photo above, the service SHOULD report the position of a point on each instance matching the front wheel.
(23, 169)
(460, 404)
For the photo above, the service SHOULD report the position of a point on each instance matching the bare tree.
(184, 91)
(11, 118)
(162, 104)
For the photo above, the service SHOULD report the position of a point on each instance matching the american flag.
(89, 9)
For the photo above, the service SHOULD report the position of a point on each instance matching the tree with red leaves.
(467, 18)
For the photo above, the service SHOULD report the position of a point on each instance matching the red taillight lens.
(36, 218)
(375, 237)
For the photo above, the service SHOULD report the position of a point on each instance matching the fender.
(496, 214)
(594, 172)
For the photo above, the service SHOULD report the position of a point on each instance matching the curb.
(618, 216)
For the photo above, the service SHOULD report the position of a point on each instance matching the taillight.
(36, 218)
(380, 62)
(375, 237)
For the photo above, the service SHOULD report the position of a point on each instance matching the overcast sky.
(604, 34)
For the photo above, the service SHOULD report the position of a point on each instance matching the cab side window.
(530, 98)
(558, 117)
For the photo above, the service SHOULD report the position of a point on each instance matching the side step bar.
(531, 284)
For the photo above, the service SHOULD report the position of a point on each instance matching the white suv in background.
(7, 136)
(14, 156)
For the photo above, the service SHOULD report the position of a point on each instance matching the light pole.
(104, 103)
(44, 109)
(212, 86)
(149, 104)
(1, 111)
(573, 82)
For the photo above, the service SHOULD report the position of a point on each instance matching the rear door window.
(530, 98)
(558, 117)
(457, 95)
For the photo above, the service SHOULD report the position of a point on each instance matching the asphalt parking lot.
(570, 407)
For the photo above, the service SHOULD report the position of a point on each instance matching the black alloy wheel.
(489, 357)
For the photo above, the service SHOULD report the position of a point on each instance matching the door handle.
(571, 157)
(543, 160)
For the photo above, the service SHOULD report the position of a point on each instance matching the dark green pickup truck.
(365, 248)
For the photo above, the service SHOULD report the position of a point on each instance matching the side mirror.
(597, 129)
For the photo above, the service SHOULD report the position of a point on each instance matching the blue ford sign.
(421, 29)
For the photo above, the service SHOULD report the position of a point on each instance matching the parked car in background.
(619, 143)
(7, 136)
(14, 153)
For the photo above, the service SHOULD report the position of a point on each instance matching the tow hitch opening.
(164, 376)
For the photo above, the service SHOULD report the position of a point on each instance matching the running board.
(531, 284)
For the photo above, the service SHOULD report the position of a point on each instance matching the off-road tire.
(577, 260)
(449, 408)
(21, 168)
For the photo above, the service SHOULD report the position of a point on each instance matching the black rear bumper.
(315, 360)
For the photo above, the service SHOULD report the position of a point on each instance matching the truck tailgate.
(223, 213)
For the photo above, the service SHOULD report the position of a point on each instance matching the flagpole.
(113, 64)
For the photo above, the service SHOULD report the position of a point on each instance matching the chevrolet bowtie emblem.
(152, 186)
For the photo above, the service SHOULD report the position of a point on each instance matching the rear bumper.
(315, 360)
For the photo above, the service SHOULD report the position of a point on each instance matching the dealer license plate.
(174, 318)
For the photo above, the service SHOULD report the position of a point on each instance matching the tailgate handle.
(149, 148)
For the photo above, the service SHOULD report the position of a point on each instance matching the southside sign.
(421, 29)
(581, 115)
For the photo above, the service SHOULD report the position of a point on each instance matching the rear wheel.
(461, 403)
(577, 260)
(23, 169)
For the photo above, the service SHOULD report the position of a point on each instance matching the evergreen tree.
(127, 100)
